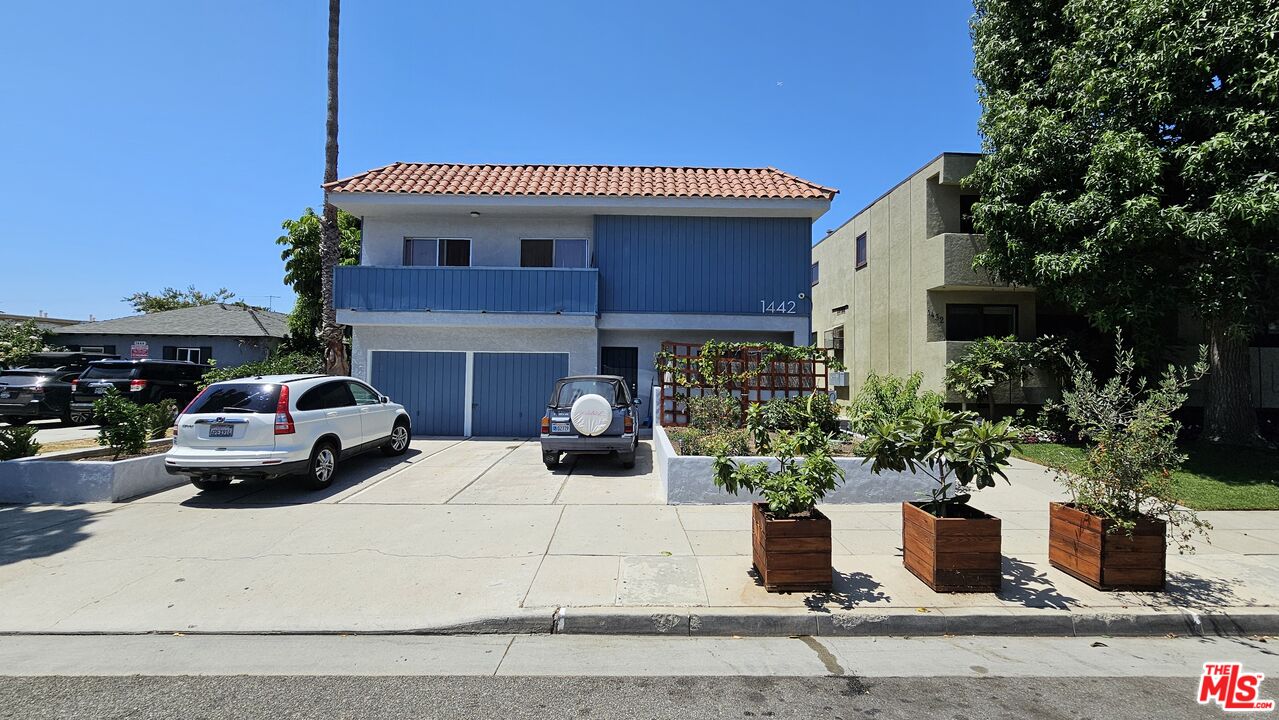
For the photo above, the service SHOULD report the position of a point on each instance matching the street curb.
(900, 622)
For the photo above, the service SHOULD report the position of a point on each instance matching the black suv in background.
(42, 388)
(142, 381)
(28, 394)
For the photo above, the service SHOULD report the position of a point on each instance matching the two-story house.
(480, 285)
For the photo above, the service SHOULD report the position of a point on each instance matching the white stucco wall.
(495, 239)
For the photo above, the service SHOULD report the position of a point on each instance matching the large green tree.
(173, 298)
(19, 339)
(1133, 167)
(301, 255)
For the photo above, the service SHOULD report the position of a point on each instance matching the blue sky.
(145, 144)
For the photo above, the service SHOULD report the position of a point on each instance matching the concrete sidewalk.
(479, 536)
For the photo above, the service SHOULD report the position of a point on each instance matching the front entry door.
(623, 361)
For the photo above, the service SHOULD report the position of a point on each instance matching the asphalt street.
(398, 676)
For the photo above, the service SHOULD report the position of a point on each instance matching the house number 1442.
(785, 307)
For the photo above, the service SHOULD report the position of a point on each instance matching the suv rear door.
(231, 416)
(101, 376)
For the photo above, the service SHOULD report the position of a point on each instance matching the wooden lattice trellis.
(779, 378)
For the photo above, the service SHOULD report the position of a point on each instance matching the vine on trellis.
(720, 364)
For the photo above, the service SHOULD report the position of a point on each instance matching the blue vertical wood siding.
(511, 390)
(702, 264)
(464, 289)
(430, 385)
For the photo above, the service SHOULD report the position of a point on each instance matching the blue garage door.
(511, 390)
(430, 385)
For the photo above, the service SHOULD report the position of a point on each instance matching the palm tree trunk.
(331, 334)
(1229, 416)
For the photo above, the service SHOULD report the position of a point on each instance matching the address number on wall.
(784, 307)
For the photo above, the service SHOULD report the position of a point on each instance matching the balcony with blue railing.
(565, 291)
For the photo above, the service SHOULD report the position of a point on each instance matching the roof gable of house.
(216, 320)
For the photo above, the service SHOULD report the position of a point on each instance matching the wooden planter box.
(1085, 546)
(792, 554)
(953, 554)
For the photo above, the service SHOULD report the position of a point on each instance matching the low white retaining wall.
(688, 479)
(54, 479)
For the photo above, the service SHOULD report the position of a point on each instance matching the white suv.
(274, 425)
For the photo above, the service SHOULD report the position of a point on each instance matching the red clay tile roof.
(582, 180)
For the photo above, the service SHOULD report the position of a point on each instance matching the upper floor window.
(966, 214)
(861, 251)
(973, 322)
(812, 271)
(437, 252)
(559, 252)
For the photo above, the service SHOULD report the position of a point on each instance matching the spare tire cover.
(591, 415)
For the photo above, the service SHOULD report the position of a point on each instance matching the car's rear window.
(238, 397)
(570, 391)
(23, 377)
(110, 371)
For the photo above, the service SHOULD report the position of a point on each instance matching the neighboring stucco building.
(894, 289)
(230, 334)
(479, 285)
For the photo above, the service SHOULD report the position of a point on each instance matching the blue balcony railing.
(569, 291)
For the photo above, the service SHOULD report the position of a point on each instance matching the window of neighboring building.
(839, 310)
(188, 354)
(91, 348)
(812, 271)
(861, 251)
(437, 252)
(966, 214)
(973, 322)
(559, 252)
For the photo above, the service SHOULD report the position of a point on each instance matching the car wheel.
(552, 460)
(323, 466)
(80, 418)
(16, 420)
(398, 444)
(211, 482)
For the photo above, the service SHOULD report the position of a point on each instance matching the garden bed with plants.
(130, 462)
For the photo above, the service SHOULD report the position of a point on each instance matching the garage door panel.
(511, 390)
(430, 385)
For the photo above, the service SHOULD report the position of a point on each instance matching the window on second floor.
(437, 252)
(812, 271)
(973, 322)
(861, 251)
(560, 252)
(966, 214)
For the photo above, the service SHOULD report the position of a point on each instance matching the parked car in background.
(590, 414)
(28, 394)
(277, 425)
(66, 359)
(142, 381)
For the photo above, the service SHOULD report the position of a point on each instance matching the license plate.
(7, 395)
(559, 427)
(101, 389)
(221, 431)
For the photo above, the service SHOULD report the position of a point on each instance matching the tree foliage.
(173, 299)
(1133, 165)
(301, 256)
(992, 362)
(19, 339)
(886, 398)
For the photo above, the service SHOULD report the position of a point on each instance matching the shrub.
(714, 412)
(18, 442)
(805, 474)
(991, 362)
(123, 428)
(692, 441)
(293, 363)
(795, 413)
(887, 398)
(1131, 435)
(157, 418)
(956, 449)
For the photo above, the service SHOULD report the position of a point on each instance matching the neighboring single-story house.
(42, 320)
(230, 334)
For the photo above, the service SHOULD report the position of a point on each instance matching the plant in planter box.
(124, 429)
(947, 543)
(1113, 533)
(18, 442)
(791, 537)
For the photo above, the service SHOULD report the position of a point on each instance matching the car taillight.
(137, 385)
(283, 420)
(546, 425)
(628, 424)
(74, 385)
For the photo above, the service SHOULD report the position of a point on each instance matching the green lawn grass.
(1214, 478)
